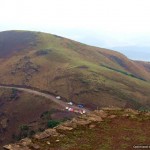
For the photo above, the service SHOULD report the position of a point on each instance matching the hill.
(105, 129)
(84, 74)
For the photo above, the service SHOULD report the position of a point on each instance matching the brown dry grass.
(111, 134)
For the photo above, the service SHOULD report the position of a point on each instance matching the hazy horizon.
(119, 25)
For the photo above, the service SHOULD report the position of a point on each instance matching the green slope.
(84, 74)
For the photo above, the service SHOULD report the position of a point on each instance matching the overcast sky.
(116, 24)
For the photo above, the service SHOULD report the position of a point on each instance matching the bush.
(52, 123)
(24, 128)
(32, 132)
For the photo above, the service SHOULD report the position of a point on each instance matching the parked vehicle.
(67, 108)
(58, 97)
(80, 106)
(70, 109)
(70, 103)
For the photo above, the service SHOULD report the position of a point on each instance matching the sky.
(122, 25)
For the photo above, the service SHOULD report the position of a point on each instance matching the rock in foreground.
(116, 125)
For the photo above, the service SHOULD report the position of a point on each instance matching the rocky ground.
(105, 129)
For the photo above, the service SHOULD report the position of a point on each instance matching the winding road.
(48, 96)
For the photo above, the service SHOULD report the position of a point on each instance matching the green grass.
(123, 72)
(53, 123)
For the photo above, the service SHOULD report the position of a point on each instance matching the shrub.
(24, 128)
(32, 132)
(52, 123)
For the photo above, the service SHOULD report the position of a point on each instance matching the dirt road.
(48, 96)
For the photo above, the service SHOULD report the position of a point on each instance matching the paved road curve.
(49, 96)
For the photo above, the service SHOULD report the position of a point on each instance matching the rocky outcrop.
(46, 133)
(87, 120)
(64, 128)
(135, 112)
(21, 145)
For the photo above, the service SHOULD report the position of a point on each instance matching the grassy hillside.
(80, 73)
(84, 74)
